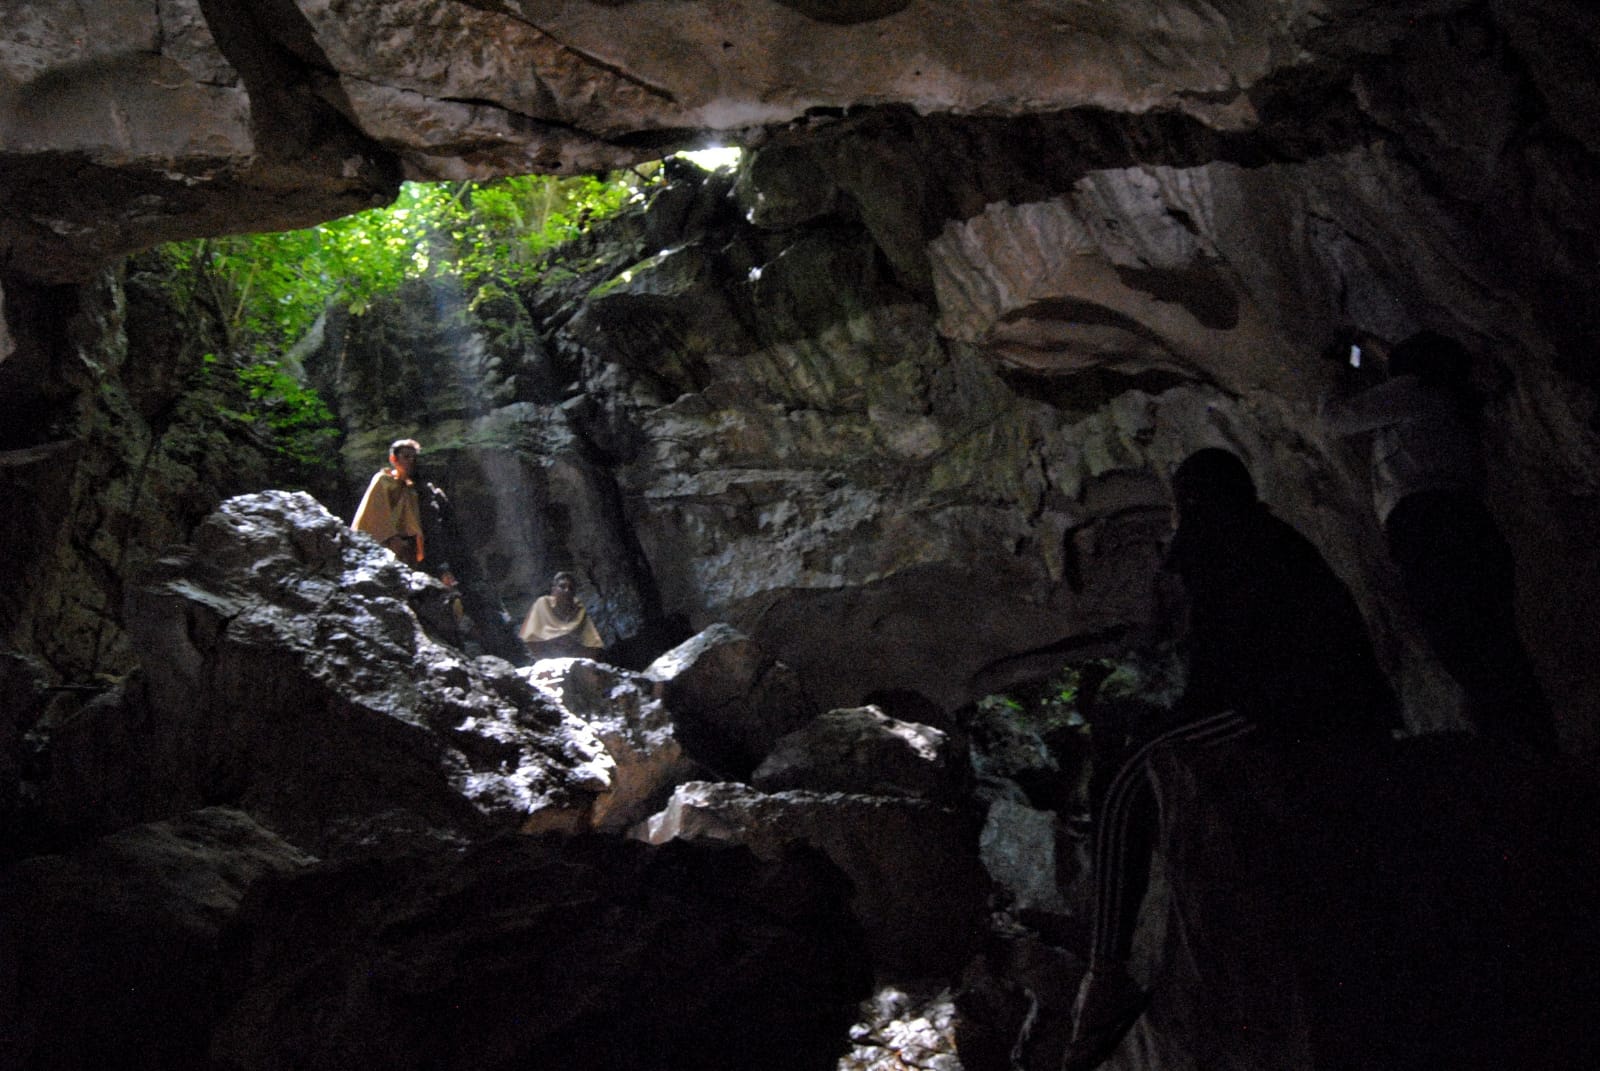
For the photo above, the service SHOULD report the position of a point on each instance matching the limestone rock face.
(113, 951)
(288, 672)
(583, 953)
(169, 111)
(919, 890)
(185, 111)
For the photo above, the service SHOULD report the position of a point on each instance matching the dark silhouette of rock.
(109, 954)
(22, 699)
(585, 953)
(919, 890)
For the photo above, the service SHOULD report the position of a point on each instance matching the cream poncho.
(542, 624)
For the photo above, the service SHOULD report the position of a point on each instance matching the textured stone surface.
(112, 953)
(865, 752)
(288, 672)
(1019, 847)
(918, 889)
(183, 109)
(898, 402)
(905, 1031)
(589, 953)
(646, 758)
(731, 699)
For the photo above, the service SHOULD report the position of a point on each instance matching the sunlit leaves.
(274, 286)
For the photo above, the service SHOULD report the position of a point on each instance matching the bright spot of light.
(718, 159)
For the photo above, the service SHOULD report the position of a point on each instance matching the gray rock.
(865, 752)
(919, 889)
(287, 672)
(188, 105)
(905, 1030)
(730, 699)
(623, 712)
(113, 952)
(1018, 847)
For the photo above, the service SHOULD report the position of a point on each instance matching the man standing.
(1455, 566)
(390, 511)
(1278, 656)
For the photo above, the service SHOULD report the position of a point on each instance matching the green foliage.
(274, 409)
(1045, 707)
(270, 288)
(267, 290)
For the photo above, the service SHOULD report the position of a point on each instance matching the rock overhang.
(197, 117)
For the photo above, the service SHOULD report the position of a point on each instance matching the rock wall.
(904, 450)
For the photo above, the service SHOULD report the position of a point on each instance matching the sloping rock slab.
(920, 891)
(585, 953)
(1423, 906)
(109, 956)
(291, 675)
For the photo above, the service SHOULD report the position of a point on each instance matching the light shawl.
(390, 508)
(542, 624)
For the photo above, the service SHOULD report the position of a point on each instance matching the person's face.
(405, 461)
(563, 589)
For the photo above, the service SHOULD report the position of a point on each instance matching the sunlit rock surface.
(866, 752)
(289, 674)
(644, 759)
(905, 1031)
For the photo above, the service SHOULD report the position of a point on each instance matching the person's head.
(564, 586)
(1212, 481)
(1432, 358)
(403, 454)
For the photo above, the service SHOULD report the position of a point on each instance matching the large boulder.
(288, 673)
(589, 953)
(732, 700)
(864, 751)
(110, 955)
(920, 892)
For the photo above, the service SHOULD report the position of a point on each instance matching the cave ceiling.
(128, 122)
